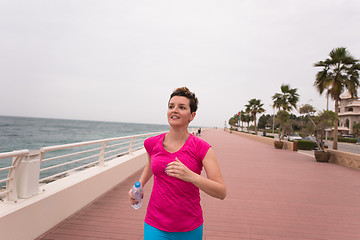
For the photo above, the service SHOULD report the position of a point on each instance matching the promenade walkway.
(272, 194)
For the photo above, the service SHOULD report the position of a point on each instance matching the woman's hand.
(213, 184)
(132, 200)
(179, 170)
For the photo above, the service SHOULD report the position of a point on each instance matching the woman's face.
(179, 112)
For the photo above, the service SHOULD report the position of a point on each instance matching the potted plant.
(282, 118)
(286, 100)
(320, 122)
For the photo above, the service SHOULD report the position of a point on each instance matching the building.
(349, 113)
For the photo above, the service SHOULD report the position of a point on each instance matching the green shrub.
(269, 136)
(305, 145)
(348, 140)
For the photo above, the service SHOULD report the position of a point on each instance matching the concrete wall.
(266, 140)
(30, 218)
(345, 159)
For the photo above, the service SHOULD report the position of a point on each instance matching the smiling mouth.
(175, 117)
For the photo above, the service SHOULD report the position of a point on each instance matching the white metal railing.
(55, 162)
(11, 180)
(91, 153)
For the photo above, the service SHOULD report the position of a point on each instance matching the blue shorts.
(151, 233)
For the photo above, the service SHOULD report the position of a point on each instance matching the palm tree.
(234, 121)
(248, 118)
(340, 72)
(286, 100)
(254, 107)
(242, 119)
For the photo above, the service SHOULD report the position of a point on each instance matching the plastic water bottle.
(137, 193)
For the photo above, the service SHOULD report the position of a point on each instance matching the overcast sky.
(120, 60)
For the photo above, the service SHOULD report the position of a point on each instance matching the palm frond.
(340, 72)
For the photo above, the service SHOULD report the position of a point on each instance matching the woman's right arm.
(147, 173)
(145, 176)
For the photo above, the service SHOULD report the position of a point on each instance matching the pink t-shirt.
(174, 204)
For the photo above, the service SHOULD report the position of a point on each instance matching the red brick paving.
(272, 194)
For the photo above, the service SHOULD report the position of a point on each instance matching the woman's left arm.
(212, 185)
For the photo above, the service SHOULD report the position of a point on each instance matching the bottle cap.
(137, 184)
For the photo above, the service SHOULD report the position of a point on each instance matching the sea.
(17, 133)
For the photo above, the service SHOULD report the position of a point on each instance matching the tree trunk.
(336, 124)
(255, 124)
(327, 101)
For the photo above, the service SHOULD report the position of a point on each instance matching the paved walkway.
(272, 194)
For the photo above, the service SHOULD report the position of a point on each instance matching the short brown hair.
(185, 92)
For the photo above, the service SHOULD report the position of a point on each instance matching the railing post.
(131, 145)
(29, 175)
(102, 154)
(13, 178)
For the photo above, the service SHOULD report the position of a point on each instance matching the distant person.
(176, 159)
(199, 132)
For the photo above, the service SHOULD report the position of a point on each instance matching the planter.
(278, 144)
(322, 156)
